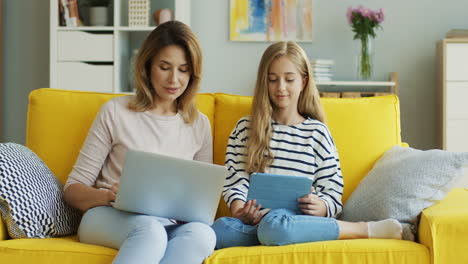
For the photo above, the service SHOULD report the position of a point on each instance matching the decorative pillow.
(31, 197)
(402, 183)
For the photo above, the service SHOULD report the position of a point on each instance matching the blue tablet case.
(278, 191)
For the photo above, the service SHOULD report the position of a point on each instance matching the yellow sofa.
(363, 130)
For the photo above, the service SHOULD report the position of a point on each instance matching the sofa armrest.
(3, 231)
(443, 228)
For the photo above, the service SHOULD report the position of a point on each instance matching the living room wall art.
(271, 20)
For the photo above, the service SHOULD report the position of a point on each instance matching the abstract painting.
(271, 20)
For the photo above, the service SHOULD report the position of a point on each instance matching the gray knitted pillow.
(402, 183)
(31, 197)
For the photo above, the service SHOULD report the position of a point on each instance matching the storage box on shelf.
(99, 58)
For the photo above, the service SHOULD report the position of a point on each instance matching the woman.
(161, 118)
(286, 134)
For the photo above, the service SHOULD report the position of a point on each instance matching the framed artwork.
(270, 20)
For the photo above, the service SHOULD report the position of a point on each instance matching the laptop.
(163, 186)
(278, 191)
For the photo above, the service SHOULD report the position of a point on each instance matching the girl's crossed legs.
(284, 227)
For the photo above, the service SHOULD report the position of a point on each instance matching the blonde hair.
(259, 154)
(166, 34)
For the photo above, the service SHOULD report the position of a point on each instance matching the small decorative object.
(138, 13)
(98, 16)
(364, 21)
(162, 15)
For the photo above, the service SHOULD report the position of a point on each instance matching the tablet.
(278, 191)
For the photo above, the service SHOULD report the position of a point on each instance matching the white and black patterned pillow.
(31, 197)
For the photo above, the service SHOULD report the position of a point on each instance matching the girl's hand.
(249, 213)
(311, 204)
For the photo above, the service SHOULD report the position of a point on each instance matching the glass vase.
(365, 56)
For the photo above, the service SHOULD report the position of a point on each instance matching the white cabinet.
(85, 76)
(98, 59)
(453, 94)
(85, 46)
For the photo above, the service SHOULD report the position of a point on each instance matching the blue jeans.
(278, 227)
(146, 239)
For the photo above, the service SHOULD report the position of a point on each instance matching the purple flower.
(364, 21)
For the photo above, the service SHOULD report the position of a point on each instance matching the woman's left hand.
(311, 204)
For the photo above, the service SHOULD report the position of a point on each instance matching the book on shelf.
(323, 74)
(457, 33)
(61, 16)
(319, 78)
(322, 62)
(68, 13)
(321, 69)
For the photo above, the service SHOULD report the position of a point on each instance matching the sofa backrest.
(58, 122)
(362, 128)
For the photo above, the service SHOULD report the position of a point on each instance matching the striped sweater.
(306, 149)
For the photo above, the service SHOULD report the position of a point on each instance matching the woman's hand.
(111, 193)
(311, 204)
(249, 213)
(85, 197)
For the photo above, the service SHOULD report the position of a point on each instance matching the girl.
(161, 118)
(286, 134)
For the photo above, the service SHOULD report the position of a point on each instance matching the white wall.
(406, 45)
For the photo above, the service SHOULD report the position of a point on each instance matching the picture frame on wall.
(271, 20)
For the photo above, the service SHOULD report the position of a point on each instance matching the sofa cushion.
(57, 116)
(68, 250)
(228, 110)
(339, 251)
(363, 130)
(403, 183)
(31, 197)
(65, 250)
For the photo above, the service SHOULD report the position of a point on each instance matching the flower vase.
(365, 56)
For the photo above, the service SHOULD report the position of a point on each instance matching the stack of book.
(322, 69)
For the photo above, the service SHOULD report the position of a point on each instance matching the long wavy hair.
(166, 34)
(259, 154)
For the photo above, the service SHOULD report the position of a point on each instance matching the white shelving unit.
(452, 94)
(391, 84)
(91, 58)
(355, 83)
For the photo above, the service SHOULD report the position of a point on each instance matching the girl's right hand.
(249, 213)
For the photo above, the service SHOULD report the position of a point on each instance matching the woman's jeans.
(278, 227)
(146, 239)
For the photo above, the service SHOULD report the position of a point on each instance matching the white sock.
(388, 228)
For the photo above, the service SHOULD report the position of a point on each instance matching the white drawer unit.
(457, 100)
(457, 61)
(85, 77)
(457, 135)
(85, 46)
(453, 94)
